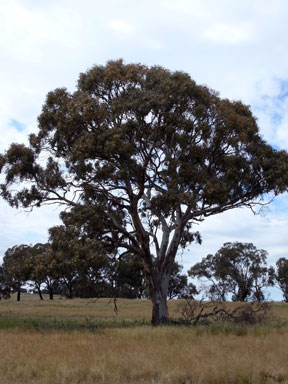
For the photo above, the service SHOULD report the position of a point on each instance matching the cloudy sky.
(238, 48)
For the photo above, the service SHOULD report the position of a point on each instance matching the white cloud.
(120, 26)
(25, 28)
(228, 34)
(19, 227)
(272, 111)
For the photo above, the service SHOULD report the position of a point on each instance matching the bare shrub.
(194, 312)
(4, 295)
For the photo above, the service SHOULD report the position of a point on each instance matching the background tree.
(65, 249)
(16, 267)
(43, 269)
(280, 276)
(130, 277)
(210, 272)
(78, 257)
(237, 268)
(4, 286)
(178, 284)
(92, 280)
(152, 151)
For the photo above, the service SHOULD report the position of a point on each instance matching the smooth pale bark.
(160, 313)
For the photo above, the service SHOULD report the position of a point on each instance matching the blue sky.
(238, 48)
(16, 124)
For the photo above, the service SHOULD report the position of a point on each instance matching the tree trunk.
(70, 292)
(18, 294)
(158, 289)
(40, 294)
(49, 285)
(70, 287)
(39, 291)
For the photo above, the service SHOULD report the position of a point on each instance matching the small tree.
(130, 277)
(280, 276)
(178, 284)
(92, 281)
(43, 269)
(4, 285)
(208, 272)
(64, 248)
(76, 256)
(237, 268)
(152, 152)
(16, 267)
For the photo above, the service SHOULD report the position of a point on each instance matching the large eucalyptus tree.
(153, 152)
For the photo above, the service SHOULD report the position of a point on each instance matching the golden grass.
(170, 355)
(142, 355)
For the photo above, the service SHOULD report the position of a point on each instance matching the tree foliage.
(4, 284)
(149, 151)
(281, 276)
(16, 267)
(44, 269)
(75, 256)
(178, 284)
(129, 277)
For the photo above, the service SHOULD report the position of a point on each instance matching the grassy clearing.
(77, 310)
(81, 341)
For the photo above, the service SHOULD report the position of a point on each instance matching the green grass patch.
(69, 325)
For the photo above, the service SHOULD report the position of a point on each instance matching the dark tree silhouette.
(280, 276)
(16, 267)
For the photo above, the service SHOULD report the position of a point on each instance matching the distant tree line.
(74, 267)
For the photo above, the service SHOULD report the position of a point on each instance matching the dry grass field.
(119, 353)
(30, 307)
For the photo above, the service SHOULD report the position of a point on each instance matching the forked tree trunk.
(158, 273)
